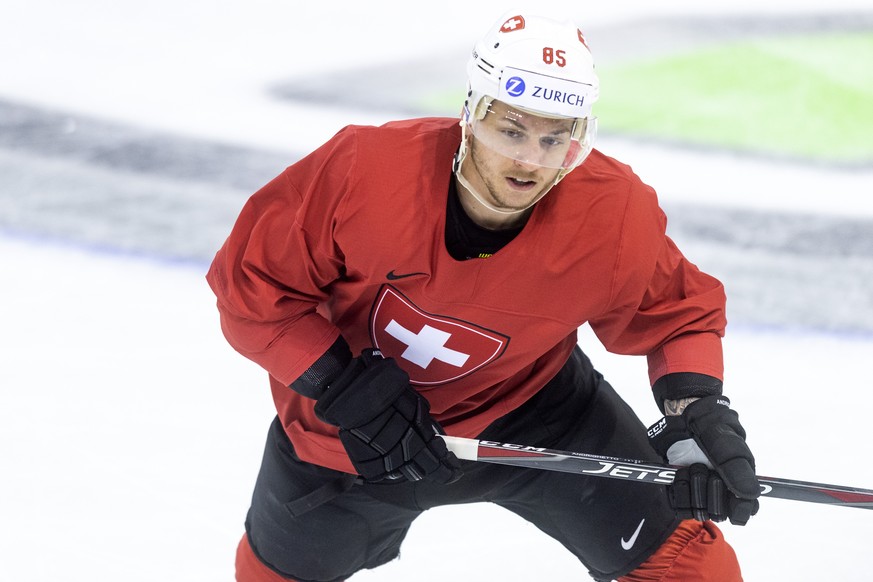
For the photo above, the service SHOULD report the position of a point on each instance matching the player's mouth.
(520, 185)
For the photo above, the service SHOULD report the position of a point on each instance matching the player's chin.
(516, 202)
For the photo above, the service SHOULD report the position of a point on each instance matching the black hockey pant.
(311, 523)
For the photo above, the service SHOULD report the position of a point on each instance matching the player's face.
(515, 156)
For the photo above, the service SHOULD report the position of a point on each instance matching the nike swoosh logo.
(628, 544)
(392, 276)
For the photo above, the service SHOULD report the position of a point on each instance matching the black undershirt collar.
(467, 240)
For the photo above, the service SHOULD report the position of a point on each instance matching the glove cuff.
(684, 385)
(672, 429)
(315, 380)
(367, 387)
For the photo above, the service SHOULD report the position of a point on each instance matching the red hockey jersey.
(351, 240)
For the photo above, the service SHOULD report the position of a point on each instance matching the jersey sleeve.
(663, 306)
(271, 274)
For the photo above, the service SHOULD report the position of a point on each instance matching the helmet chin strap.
(461, 156)
(478, 198)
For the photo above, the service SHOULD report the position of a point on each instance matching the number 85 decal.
(554, 57)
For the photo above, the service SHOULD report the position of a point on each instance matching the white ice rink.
(131, 433)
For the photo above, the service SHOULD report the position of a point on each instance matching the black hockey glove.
(385, 425)
(717, 479)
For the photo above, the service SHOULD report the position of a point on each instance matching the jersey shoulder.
(405, 129)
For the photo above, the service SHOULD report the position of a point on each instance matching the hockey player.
(430, 276)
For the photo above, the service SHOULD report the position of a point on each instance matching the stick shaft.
(643, 472)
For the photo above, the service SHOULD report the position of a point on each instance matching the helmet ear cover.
(482, 107)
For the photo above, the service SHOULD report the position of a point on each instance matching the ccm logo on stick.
(512, 447)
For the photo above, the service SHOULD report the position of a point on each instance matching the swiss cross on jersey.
(432, 349)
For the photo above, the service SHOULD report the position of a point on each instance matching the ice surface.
(132, 435)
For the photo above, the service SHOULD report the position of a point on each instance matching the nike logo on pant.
(628, 544)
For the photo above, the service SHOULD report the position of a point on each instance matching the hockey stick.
(630, 470)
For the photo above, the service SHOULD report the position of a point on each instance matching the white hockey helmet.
(538, 66)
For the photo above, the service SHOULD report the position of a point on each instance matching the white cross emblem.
(512, 24)
(426, 346)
